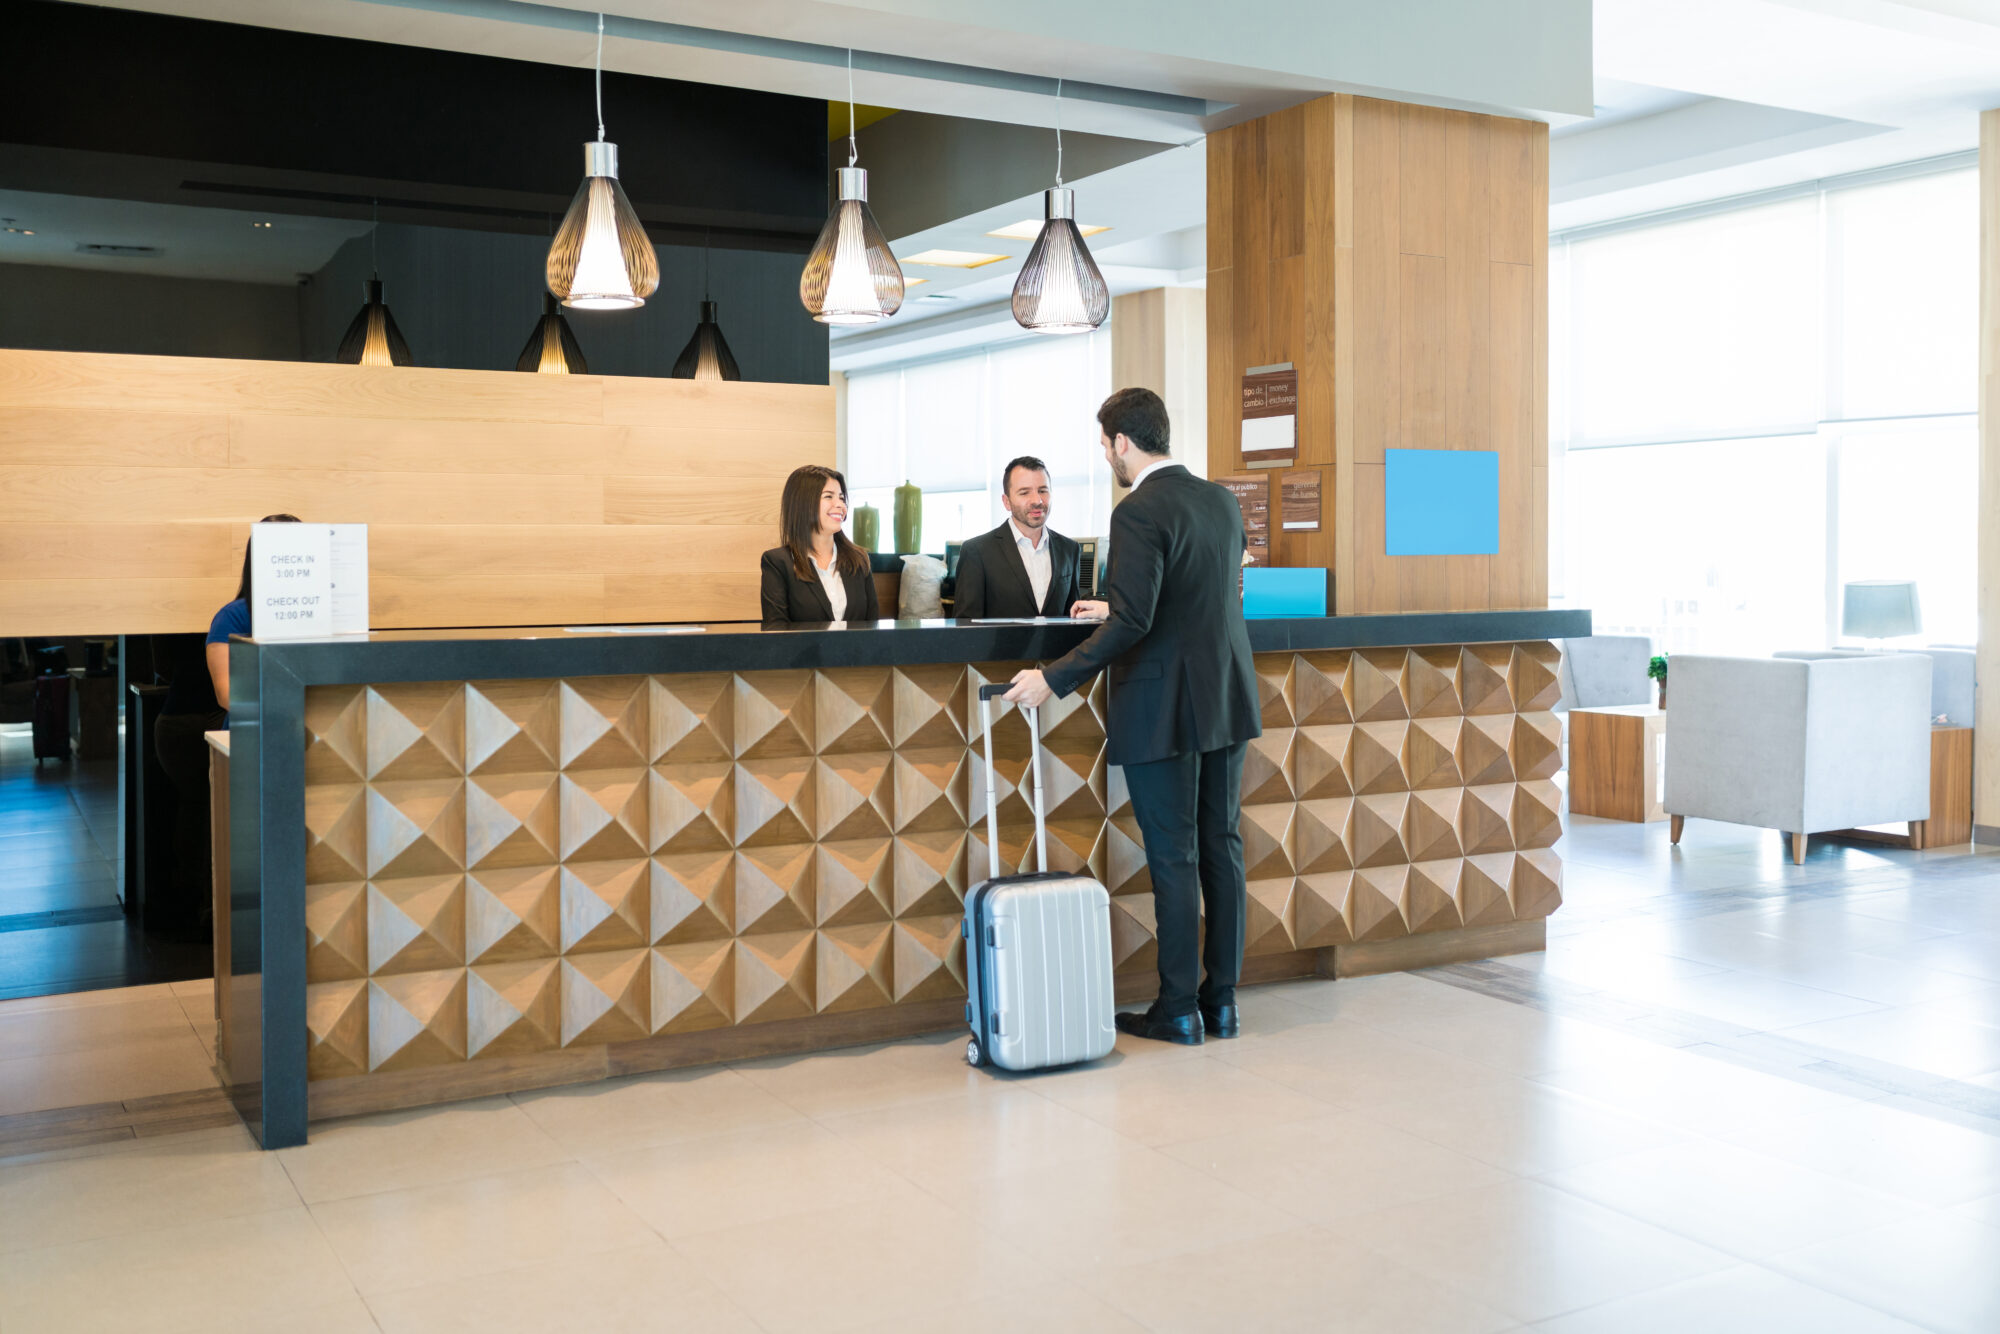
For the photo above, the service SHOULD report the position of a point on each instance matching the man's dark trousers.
(1187, 807)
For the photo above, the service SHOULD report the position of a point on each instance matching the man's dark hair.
(1139, 416)
(1028, 461)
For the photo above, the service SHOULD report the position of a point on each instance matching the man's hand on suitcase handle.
(1029, 689)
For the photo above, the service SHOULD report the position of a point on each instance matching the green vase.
(909, 519)
(867, 527)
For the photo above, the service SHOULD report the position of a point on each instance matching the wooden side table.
(1951, 798)
(1614, 762)
(1951, 791)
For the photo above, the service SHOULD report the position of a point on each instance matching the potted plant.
(1657, 670)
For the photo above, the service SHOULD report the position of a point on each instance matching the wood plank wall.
(1398, 256)
(127, 485)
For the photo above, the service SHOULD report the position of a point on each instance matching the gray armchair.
(1800, 744)
(1605, 670)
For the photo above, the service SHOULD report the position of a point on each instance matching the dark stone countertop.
(489, 654)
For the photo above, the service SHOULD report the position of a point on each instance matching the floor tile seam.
(1916, 1207)
(714, 1282)
(1800, 1275)
(480, 1175)
(122, 1233)
(1449, 1282)
(153, 1231)
(1830, 1060)
(400, 1289)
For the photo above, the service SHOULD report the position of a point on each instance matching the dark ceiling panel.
(263, 117)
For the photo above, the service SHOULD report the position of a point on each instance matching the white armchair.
(1804, 745)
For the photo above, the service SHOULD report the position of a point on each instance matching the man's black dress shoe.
(1183, 1028)
(1221, 1022)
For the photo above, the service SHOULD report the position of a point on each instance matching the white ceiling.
(1783, 91)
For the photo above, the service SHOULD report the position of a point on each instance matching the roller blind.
(1701, 329)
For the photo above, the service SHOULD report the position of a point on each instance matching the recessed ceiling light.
(260, 224)
(8, 223)
(1030, 228)
(953, 259)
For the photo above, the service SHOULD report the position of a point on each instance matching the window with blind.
(950, 426)
(1751, 408)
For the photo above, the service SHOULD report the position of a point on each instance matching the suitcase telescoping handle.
(987, 694)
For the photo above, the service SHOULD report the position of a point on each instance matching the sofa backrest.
(1604, 670)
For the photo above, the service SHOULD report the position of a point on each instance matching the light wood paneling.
(127, 485)
(1415, 309)
(73, 437)
(1986, 772)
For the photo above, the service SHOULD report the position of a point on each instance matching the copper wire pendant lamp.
(552, 349)
(1060, 290)
(602, 258)
(851, 277)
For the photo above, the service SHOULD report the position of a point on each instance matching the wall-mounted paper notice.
(291, 581)
(1270, 416)
(347, 547)
(308, 580)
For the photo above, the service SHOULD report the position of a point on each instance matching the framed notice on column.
(1270, 416)
(1253, 496)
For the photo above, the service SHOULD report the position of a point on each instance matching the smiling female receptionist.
(816, 574)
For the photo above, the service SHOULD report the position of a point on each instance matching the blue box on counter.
(1269, 592)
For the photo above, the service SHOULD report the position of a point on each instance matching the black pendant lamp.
(373, 338)
(552, 349)
(707, 355)
(1060, 289)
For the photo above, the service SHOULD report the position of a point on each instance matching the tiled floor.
(61, 925)
(1733, 1095)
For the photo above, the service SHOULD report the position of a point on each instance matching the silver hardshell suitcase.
(1037, 947)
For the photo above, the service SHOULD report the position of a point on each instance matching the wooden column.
(1986, 758)
(1159, 341)
(1396, 255)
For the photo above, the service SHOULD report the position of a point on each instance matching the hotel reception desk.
(465, 862)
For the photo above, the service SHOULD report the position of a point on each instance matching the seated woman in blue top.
(233, 619)
(197, 702)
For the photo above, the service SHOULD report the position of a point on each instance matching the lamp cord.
(374, 228)
(1059, 133)
(600, 78)
(853, 152)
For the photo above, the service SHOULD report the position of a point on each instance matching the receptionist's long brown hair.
(798, 520)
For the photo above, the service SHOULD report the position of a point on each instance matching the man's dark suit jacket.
(993, 579)
(1175, 644)
(787, 598)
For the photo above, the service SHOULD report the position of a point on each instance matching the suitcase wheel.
(974, 1056)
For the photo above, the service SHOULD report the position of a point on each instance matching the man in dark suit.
(1023, 567)
(1184, 705)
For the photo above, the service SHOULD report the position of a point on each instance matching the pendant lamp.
(1060, 290)
(850, 277)
(707, 355)
(552, 349)
(602, 258)
(373, 338)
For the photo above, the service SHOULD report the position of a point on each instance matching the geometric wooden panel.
(1536, 749)
(507, 868)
